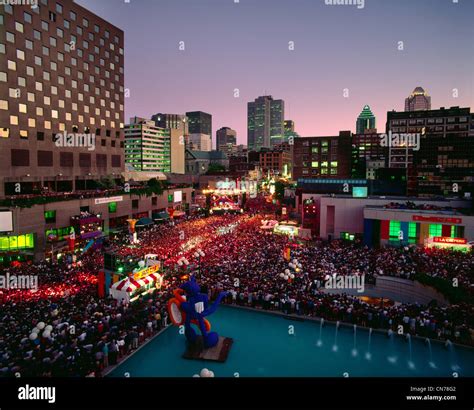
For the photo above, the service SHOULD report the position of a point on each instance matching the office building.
(226, 138)
(199, 122)
(418, 100)
(172, 121)
(365, 120)
(151, 148)
(322, 157)
(443, 161)
(265, 123)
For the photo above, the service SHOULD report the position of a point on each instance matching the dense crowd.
(87, 333)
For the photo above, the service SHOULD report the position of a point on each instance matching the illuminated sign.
(438, 219)
(99, 201)
(448, 240)
(359, 192)
(145, 272)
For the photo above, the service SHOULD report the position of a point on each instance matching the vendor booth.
(289, 228)
(129, 289)
(445, 242)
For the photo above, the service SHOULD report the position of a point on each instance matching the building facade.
(61, 72)
(199, 142)
(226, 136)
(418, 100)
(172, 121)
(443, 161)
(199, 122)
(322, 157)
(265, 122)
(151, 148)
(276, 161)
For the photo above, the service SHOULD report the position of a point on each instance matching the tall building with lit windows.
(265, 123)
(153, 149)
(418, 100)
(61, 71)
(365, 120)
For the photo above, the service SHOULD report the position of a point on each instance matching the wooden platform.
(218, 353)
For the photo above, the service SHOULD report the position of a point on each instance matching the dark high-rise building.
(199, 123)
(323, 157)
(171, 121)
(51, 88)
(418, 100)
(225, 136)
(365, 120)
(367, 155)
(265, 117)
(443, 162)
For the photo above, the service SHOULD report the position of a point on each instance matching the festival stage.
(218, 353)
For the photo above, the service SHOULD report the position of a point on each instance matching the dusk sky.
(245, 45)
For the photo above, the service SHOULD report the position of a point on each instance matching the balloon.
(49, 327)
(211, 374)
(46, 334)
(286, 277)
(33, 336)
(282, 275)
(287, 271)
(35, 330)
(204, 372)
(291, 265)
(196, 375)
(41, 325)
(292, 276)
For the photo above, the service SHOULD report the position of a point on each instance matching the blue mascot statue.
(190, 306)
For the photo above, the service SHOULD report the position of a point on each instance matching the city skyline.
(254, 57)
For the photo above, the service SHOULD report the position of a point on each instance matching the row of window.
(21, 158)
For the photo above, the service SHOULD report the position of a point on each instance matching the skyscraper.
(199, 122)
(418, 100)
(265, 122)
(225, 136)
(172, 121)
(365, 120)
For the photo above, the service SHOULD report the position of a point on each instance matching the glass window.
(10, 37)
(394, 229)
(19, 27)
(27, 17)
(435, 230)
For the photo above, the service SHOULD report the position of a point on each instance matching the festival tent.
(160, 216)
(144, 222)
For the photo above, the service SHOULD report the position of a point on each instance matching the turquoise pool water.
(264, 347)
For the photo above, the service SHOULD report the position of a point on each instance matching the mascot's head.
(191, 287)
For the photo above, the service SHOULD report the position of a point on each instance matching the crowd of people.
(88, 333)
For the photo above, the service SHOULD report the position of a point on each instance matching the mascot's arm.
(211, 309)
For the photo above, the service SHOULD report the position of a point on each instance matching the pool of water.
(267, 345)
